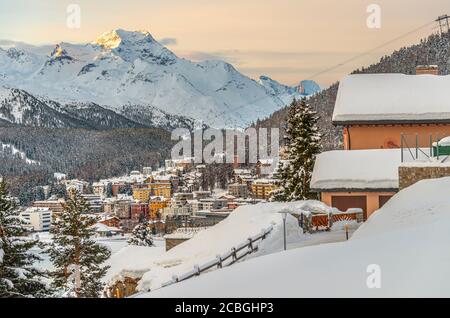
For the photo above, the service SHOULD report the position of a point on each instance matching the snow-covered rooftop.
(366, 98)
(357, 169)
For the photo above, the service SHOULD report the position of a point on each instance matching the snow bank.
(357, 169)
(407, 240)
(244, 222)
(378, 97)
(131, 261)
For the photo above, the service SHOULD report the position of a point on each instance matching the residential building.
(117, 187)
(122, 209)
(95, 202)
(142, 194)
(99, 188)
(161, 189)
(139, 210)
(381, 113)
(38, 218)
(156, 204)
(147, 171)
(377, 109)
(238, 190)
(78, 185)
(208, 204)
(55, 206)
(111, 221)
(198, 195)
(262, 188)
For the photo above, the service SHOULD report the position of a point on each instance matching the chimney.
(427, 69)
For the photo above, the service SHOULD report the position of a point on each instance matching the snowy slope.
(287, 93)
(407, 238)
(131, 68)
(244, 222)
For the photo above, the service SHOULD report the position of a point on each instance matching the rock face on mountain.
(131, 70)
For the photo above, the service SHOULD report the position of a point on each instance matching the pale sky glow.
(288, 40)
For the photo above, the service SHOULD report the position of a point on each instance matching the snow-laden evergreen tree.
(18, 275)
(302, 143)
(141, 235)
(76, 256)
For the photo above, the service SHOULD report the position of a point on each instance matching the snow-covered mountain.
(122, 69)
(287, 93)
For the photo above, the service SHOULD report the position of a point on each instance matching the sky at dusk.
(288, 40)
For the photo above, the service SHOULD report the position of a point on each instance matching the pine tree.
(76, 256)
(303, 144)
(18, 276)
(141, 235)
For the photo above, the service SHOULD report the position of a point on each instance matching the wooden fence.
(229, 258)
(323, 221)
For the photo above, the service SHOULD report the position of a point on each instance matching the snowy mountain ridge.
(123, 68)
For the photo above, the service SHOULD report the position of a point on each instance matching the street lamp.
(284, 214)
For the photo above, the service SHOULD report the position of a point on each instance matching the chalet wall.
(388, 136)
(410, 175)
(372, 203)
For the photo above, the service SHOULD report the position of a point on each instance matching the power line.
(371, 50)
(340, 64)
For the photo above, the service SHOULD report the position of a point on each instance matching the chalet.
(376, 112)
(376, 109)
(111, 221)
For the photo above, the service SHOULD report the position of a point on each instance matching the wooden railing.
(324, 221)
(229, 258)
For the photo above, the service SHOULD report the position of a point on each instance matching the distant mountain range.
(127, 79)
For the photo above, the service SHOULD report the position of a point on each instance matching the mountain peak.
(114, 38)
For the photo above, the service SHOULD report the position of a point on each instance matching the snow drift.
(244, 222)
(407, 240)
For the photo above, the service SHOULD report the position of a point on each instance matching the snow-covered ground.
(402, 249)
(16, 152)
(244, 222)
(115, 244)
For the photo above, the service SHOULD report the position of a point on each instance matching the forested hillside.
(80, 153)
(433, 50)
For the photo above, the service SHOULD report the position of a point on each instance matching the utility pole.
(444, 24)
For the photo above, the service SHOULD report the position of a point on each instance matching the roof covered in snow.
(392, 98)
(357, 170)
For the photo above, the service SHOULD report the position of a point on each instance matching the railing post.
(197, 269)
(234, 254)
(250, 244)
(401, 151)
(417, 146)
(431, 145)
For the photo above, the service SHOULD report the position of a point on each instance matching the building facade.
(38, 218)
